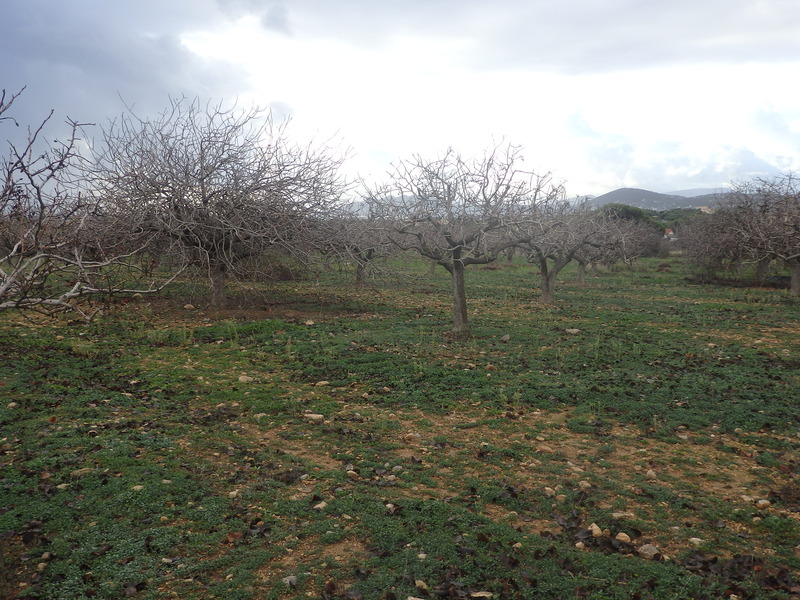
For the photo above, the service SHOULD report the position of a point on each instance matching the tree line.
(205, 189)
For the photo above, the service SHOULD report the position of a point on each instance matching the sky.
(603, 94)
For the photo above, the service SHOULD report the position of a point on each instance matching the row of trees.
(757, 223)
(212, 190)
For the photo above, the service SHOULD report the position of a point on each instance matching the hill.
(652, 200)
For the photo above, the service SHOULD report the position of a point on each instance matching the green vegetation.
(336, 443)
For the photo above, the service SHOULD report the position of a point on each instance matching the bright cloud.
(619, 93)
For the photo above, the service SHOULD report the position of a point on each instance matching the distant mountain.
(654, 200)
(698, 192)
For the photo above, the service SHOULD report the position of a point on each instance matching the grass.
(334, 442)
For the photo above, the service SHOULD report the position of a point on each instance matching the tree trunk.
(217, 275)
(547, 282)
(794, 285)
(361, 271)
(762, 268)
(581, 273)
(460, 323)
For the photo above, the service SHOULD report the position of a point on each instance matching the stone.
(584, 485)
(188, 307)
(623, 515)
(290, 581)
(81, 472)
(623, 537)
(580, 545)
(322, 383)
(549, 492)
(696, 541)
(245, 379)
(763, 504)
(321, 505)
(505, 339)
(309, 322)
(573, 331)
(352, 475)
(648, 551)
(595, 529)
(314, 417)
(651, 474)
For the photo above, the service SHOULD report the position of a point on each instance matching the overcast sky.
(604, 93)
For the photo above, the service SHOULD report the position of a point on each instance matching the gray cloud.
(80, 57)
(572, 36)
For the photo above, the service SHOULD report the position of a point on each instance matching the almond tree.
(54, 245)
(554, 235)
(459, 212)
(757, 221)
(767, 221)
(349, 234)
(221, 185)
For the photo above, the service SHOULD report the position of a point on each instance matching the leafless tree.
(54, 248)
(351, 235)
(712, 243)
(220, 184)
(757, 222)
(459, 212)
(555, 234)
(767, 221)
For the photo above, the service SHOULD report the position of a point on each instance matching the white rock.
(648, 551)
(623, 537)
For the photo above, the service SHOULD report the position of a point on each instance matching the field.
(638, 439)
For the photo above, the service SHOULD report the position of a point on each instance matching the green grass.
(338, 437)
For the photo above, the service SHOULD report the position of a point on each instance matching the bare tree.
(767, 220)
(712, 242)
(557, 232)
(459, 212)
(351, 235)
(222, 185)
(54, 248)
(756, 222)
